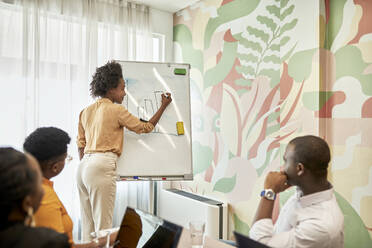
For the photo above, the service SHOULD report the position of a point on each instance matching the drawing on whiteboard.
(146, 105)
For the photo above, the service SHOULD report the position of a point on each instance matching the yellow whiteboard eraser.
(180, 130)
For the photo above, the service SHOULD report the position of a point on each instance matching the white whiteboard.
(161, 154)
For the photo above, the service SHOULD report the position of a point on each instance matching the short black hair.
(105, 78)
(313, 152)
(18, 180)
(46, 143)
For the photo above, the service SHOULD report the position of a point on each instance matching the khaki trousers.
(96, 180)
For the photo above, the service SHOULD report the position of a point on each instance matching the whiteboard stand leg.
(156, 198)
(152, 195)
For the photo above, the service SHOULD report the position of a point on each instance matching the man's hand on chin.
(277, 181)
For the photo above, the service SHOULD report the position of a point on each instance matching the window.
(158, 45)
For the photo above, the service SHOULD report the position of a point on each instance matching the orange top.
(101, 127)
(52, 213)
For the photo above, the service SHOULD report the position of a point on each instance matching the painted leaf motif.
(221, 70)
(225, 185)
(273, 74)
(242, 91)
(258, 33)
(202, 157)
(289, 53)
(272, 129)
(272, 58)
(284, 40)
(273, 117)
(230, 113)
(275, 47)
(248, 57)
(355, 69)
(283, 3)
(268, 22)
(287, 12)
(253, 102)
(299, 65)
(274, 10)
(243, 82)
(226, 13)
(315, 100)
(182, 35)
(240, 226)
(245, 70)
(355, 232)
(288, 26)
(269, 155)
(251, 44)
(334, 24)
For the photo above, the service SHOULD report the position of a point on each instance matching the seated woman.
(49, 146)
(20, 196)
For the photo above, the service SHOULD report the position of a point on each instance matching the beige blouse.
(101, 127)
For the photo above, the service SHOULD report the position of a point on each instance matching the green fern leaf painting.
(261, 44)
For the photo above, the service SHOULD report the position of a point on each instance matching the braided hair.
(17, 179)
(105, 78)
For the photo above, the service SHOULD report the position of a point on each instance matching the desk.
(185, 241)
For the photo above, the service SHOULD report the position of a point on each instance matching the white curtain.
(49, 50)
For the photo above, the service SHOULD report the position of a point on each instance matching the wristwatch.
(268, 194)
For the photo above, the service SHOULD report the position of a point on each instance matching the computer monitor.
(245, 242)
(142, 229)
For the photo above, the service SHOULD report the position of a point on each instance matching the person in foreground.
(311, 217)
(20, 196)
(100, 143)
(49, 146)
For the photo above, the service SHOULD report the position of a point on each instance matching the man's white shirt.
(313, 220)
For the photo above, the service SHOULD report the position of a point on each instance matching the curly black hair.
(17, 179)
(105, 78)
(46, 143)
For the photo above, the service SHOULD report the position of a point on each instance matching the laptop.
(243, 241)
(142, 229)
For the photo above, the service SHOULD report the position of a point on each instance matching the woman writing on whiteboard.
(100, 143)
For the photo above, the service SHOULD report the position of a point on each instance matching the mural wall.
(264, 72)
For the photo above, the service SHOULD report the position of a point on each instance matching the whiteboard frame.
(185, 177)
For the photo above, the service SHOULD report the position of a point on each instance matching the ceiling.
(167, 5)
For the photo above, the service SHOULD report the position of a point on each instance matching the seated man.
(311, 217)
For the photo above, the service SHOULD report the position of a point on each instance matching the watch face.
(268, 194)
